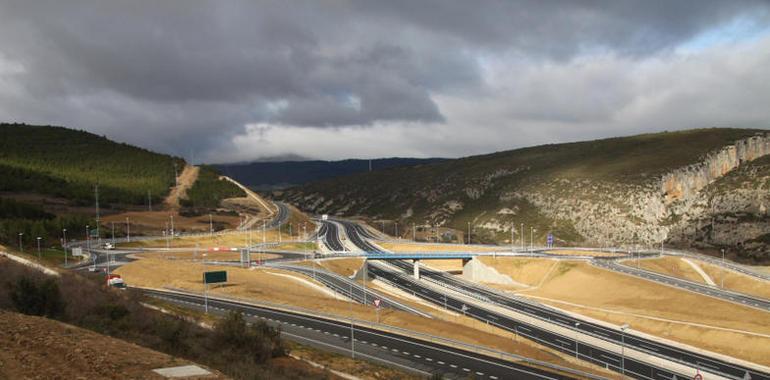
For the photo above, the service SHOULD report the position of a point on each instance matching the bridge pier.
(416, 269)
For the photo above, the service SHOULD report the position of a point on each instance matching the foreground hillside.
(67, 163)
(644, 190)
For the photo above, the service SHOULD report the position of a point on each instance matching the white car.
(108, 246)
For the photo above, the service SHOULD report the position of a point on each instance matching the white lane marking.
(480, 373)
(493, 377)
(466, 369)
(417, 356)
(453, 365)
(440, 362)
(429, 359)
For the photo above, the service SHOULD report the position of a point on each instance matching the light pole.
(469, 233)
(396, 226)
(128, 231)
(39, 258)
(577, 342)
(211, 225)
(623, 348)
(414, 232)
(352, 337)
(531, 239)
(64, 234)
(113, 233)
(723, 268)
(521, 236)
(88, 237)
(21, 248)
(513, 227)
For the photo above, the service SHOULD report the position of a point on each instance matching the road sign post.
(377, 306)
(213, 277)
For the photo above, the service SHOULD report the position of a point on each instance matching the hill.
(269, 175)
(638, 190)
(67, 163)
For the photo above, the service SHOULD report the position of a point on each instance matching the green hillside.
(587, 193)
(67, 163)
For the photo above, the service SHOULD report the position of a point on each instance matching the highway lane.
(544, 313)
(735, 297)
(349, 288)
(281, 217)
(331, 236)
(596, 355)
(389, 348)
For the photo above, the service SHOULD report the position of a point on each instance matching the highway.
(566, 344)
(726, 264)
(281, 217)
(401, 351)
(331, 236)
(348, 288)
(739, 298)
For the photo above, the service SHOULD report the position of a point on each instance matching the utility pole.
(64, 234)
(39, 258)
(723, 268)
(98, 235)
(469, 233)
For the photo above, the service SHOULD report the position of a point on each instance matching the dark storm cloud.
(181, 75)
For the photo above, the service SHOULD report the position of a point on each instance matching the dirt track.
(184, 182)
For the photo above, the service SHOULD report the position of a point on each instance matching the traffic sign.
(377, 303)
(214, 277)
(697, 376)
(549, 239)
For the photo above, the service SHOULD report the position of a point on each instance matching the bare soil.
(671, 266)
(684, 316)
(154, 222)
(40, 348)
(522, 270)
(185, 180)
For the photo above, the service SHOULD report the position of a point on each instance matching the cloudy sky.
(230, 80)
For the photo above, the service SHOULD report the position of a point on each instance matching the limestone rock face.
(719, 200)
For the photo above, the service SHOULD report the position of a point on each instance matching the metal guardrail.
(397, 330)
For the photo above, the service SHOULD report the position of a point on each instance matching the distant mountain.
(271, 175)
(703, 188)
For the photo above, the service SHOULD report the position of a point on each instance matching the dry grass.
(444, 265)
(198, 256)
(274, 286)
(671, 266)
(526, 271)
(573, 252)
(412, 247)
(153, 222)
(618, 299)
(361, 369)
(736, 281)
(240, 239)
(40, 348)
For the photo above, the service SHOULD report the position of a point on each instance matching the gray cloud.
(190, 75)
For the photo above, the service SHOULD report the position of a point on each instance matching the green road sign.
(214, 277)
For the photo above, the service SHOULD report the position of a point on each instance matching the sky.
(232, 81)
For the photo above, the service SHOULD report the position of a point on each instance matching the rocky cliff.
(702, 188)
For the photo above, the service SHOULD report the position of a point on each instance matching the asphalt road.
(396, 350)
(739, 298)
(567, 344)
(281, 217)
(349, 288)
(331, 236)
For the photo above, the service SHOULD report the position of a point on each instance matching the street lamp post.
(522, 237)
(211, 225)
(88, 237)
(469, 233)
(577, 342)
(396, 226)
(21, 247)
(531, 239)
(39, 258)
(723, 268)
(64, 234)
(128, 231)
(113, 232)
(623, 348)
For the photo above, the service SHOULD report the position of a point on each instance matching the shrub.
(43, 299)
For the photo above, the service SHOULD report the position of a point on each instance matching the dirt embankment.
(40, 348)
(184, 182)
(656, 309)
